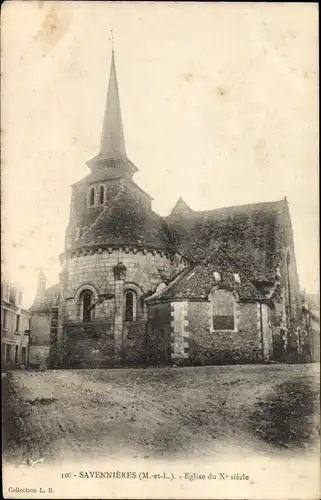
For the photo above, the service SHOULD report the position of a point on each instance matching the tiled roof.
(247, 233)
(196, 282)
(126, 221)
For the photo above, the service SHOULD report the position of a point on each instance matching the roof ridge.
(246, 205)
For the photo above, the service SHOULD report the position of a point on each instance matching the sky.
(219, 104)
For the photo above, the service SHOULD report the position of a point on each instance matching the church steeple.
(112, 144)
(112, 152)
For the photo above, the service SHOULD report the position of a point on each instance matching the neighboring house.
(194, 287)
(43, 319)
(15, 326)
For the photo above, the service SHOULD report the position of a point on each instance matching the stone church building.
(194, 287)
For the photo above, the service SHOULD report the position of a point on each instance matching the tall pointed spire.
(112, 157)
(112, 142)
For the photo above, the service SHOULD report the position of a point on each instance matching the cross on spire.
(112, 142)
(112, 38)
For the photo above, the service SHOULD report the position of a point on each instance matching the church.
(195, 287)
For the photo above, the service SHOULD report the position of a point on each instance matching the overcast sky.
(219, 104)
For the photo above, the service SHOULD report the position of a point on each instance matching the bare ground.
(171, 412)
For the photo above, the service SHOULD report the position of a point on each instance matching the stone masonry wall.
(159, 333)
(144, 270)
(135, 342)
(82, 215)
(40, 344)
(285, 321)
(88, 346)
(220, 346)
(40, 327)
(179, 331)
(267, 332)
(39, 356)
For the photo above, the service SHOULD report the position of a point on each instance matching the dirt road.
(165, 412)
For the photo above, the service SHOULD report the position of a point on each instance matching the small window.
(223, 306)
(217, 276)
(130, 306)
(91, 197)
(101, 195)
(237, 278)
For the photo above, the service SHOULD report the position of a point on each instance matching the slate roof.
(49, 300)
(247, 233)
(126, 221)
(197, 281)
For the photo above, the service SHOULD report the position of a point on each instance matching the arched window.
(223, 310)
(86, 299)
(91, 197)
(130, 305)
(101, 195)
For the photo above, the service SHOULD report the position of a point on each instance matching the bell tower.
(116, 251)
(111, 172)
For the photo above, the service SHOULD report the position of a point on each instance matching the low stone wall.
(39, 356)
(90, 346)
(93, 345)
(135, 347)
